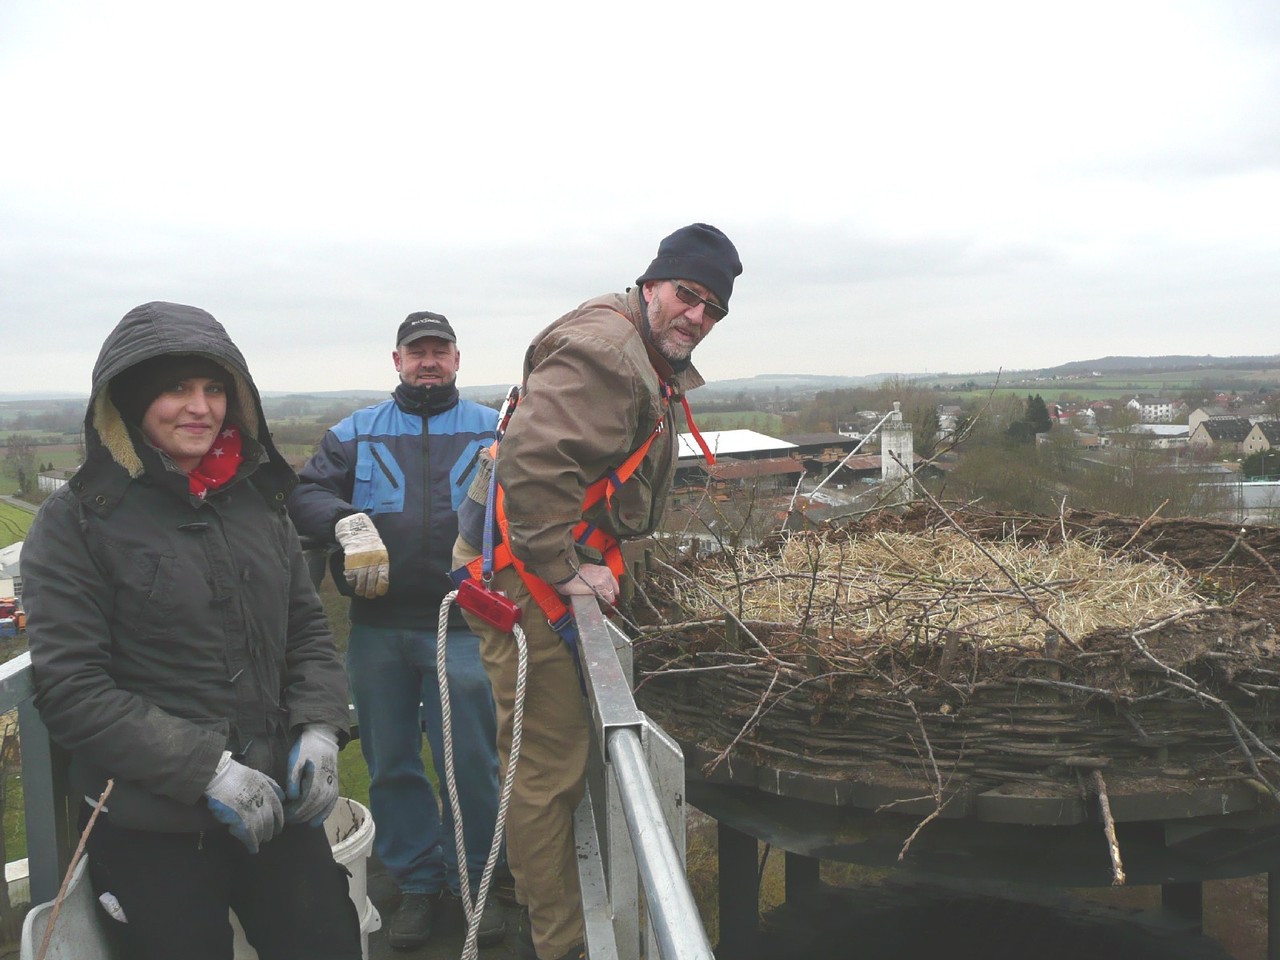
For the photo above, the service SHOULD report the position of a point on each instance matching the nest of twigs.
(976, 647)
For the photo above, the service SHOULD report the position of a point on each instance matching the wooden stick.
(71, 869)
(1143, 524)
(1109, 827)
(1258, 556)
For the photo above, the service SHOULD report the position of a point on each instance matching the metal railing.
(629, 827)
(44, 790)
(631, 821)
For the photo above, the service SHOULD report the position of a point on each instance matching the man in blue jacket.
(385, 484)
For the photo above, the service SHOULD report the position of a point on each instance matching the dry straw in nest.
(889, 587)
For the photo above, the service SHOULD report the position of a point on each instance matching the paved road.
(22, 504)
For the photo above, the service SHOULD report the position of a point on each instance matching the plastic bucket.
(350, 832)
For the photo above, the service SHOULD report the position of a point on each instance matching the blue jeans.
(392, 671)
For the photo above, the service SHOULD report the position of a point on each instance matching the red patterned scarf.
(218, 465)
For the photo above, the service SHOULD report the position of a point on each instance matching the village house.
(860, 425)
(48, 481)
(1265, 435)
(948, 420)
(11, 569)
(819, 452)
(1151, 409)
(768, 477)
(1253, 413)
(1225, 436)
(1151, 436)
(1089, 441)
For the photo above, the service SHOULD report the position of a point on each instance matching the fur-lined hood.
(152, 330)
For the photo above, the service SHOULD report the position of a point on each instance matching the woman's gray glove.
(247, 801)
(366, 565)
(312, 787)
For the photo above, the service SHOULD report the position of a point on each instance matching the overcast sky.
(912, 186)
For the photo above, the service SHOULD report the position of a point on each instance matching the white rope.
(470, 949)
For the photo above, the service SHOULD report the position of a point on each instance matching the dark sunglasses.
(711, 310)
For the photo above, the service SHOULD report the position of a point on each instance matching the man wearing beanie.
(596, 400)
(384, 486)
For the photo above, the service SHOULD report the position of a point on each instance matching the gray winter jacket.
(165, 628)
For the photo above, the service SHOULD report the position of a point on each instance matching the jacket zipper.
(385, 472)
(467, 472)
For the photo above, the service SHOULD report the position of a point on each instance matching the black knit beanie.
(133, 390)
(698, 252)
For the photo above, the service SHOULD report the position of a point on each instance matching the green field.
(769, 424)
(62, 456)
(14, 523)
(1111, 385)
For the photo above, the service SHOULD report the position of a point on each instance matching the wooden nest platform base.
(955, 662)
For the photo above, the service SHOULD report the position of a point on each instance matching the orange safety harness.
(499, 557)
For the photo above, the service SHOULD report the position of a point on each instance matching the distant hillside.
(803, 382)
(1167, 364)
(799, 384)
(325, 394)
(41, 395)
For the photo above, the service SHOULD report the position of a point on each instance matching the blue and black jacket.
(408, 471)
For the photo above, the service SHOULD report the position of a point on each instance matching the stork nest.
(977, 647)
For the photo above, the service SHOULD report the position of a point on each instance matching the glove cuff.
(322, 730)
(353, 526)
(219, 771)
(224, 761)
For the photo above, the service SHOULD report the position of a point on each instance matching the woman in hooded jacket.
(180, 652)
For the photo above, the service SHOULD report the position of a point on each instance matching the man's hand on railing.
(592, 579)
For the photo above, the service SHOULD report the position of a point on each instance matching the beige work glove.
(367, 567)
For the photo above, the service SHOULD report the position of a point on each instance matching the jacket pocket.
(379, 480)
(147, 588)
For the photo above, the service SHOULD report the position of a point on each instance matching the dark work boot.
(493, 925)
(524, 942)
(524, 937)
(410, 925)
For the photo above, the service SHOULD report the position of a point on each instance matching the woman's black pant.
(174, 890)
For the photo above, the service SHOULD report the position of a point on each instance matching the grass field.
(14, 523)
(769, 424)
(63, 456)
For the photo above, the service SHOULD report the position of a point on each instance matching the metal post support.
(666, 767)
(1273, 916)
(46, 806)
(44, 788)
(801, 877)
(647, 840)
(596, 920)
(674, 915)
(619, 856)
(619, 867)
(739, 892)
(1185, 901)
